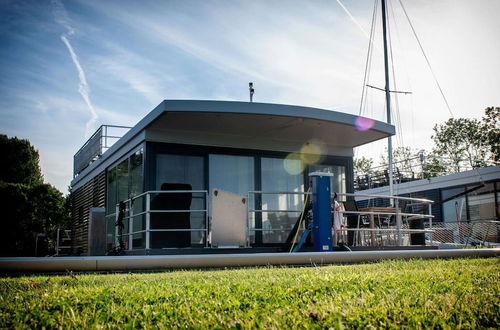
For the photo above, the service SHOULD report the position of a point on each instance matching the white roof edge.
(468, 177)
(229, 107)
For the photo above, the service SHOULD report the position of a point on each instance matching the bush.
(29, 210)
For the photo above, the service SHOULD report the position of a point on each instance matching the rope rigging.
(362, 105)
(426, 58)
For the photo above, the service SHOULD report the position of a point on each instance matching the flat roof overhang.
(248, 122)
(274, 122)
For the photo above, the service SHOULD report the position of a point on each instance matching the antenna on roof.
(250, 88)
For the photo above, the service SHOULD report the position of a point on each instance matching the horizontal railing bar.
(389, 230)
(423, 200)
(355, 229)
(258, 211)
(388, 213)
(279, 192)
(162, 211)
(132, 233)
(271, 229)
(175, 191)
(176, 211)
(175, 230)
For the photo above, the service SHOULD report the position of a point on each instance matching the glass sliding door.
(178, 172)
(276, 178)
(231, 173)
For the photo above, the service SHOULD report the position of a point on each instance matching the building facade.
(165, 169)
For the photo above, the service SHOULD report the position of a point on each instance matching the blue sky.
(69, 66)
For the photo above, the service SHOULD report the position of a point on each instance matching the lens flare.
(293, 164)
(363, 124)
(312, 152)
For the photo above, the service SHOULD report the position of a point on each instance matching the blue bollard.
(322, 211)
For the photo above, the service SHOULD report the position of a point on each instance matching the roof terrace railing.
(103, 138)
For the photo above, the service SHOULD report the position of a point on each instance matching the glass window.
(111, 192)
(481, 203)
(276, 178)
(136, 173)
(122, 181)
(232, 173)
(454, 209)
(338, 182)
(180, 169)
(174, 170)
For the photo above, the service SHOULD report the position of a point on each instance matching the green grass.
(459, 293)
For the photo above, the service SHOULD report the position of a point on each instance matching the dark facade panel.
(92, 194)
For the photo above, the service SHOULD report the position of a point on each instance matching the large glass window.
(124, 181)
(232, 173)
(456, 208)
(178, 172)
(481, 203)
(276, 178)
(180, 169)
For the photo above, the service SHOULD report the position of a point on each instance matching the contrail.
(367, 35)
(61, 17)
(354, 20)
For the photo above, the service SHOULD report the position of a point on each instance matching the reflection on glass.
(232, 173)
(481, 203)
(276, 178)
(187, 170)
(111, 191)
(455, 209)
(338, 182)
(122, 181)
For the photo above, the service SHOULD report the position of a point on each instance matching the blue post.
(322, 211)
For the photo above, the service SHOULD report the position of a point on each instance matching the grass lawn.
(458, 293)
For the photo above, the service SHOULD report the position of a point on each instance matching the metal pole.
(430, 224)
(387, 98)
(117, 212)
(57, 242)
(130, 224)
(148, 218)
(207, 225)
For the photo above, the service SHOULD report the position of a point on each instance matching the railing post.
(57, 242)
(130, 224)
(247, 239)
(207, 231)
(430, 224)
(117, 213)
(148, 218)
(398, 224)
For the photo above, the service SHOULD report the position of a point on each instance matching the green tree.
(19, 162)
(473, 141)
(491, 122)
(31, 206)
(461, 139)
(363, 165)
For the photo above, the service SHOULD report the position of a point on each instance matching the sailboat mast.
(387, 96)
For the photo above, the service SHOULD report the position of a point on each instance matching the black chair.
(171, 220)
(352, 220)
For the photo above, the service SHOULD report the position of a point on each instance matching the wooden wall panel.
(92, 194)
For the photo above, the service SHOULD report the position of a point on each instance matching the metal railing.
(467, 233)
(400, 231)
(103, 138)
(147, 211)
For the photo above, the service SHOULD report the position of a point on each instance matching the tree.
(363, 165)
(491, 122)
(19, 162)
(32, 207)
(472, 140)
